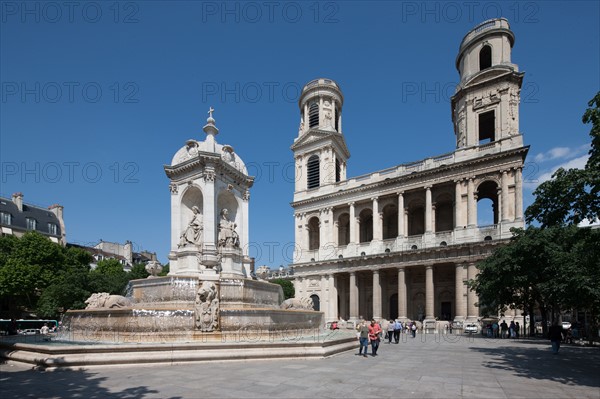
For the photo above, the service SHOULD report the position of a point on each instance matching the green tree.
(29, 266)
(555, 267)
(572, 195)
(164, 271)
(138, 271)
(109, 276)
(288, 287)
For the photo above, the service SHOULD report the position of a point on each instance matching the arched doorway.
(316, 302)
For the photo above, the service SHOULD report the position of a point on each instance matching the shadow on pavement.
(572, 365)
(64, 384)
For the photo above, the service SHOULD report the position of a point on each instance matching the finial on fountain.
(210, 129)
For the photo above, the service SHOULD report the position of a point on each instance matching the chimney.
(58, 211)
(17, 198)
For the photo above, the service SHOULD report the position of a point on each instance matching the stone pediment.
(317, 136)
(488, 75)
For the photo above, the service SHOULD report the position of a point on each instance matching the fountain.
(209, 301)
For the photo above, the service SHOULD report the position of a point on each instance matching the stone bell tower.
(485, 107)
(320, 149)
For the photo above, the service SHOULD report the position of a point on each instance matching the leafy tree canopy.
(572, 195)
(288, 287)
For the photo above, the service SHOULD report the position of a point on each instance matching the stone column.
(324, 297)
(353, 296)
(321, 113)
(401, 214)
(499, 206)
(352, 224)
(472, 310)
(333, 299)
(457, 204)
(209, 256)
(459, 287)
(377, 233)
(518, 194)
(322, 228)
(305, 234)
(306, 118)
(471, 204)
(429, 294)
(402, 314)
(428, 210)
(376, 295)
(504, 196)
(405, 213)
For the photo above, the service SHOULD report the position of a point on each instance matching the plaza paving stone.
(426, 367)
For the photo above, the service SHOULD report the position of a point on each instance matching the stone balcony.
(329, 251)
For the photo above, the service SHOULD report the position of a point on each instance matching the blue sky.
(98, 96)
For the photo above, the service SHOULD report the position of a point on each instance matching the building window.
(5, 218)
(31, 223)
(52, 229)
(338, 170)
(313, 234)
(312, 169)
(485, 58)
(487, 127)
(337, 117)
(313, 115)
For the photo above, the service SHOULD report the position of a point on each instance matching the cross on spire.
(210, 111)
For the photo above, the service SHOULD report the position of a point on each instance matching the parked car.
(471, 328)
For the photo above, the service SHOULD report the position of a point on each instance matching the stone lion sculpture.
(103, 300)
(304, 303)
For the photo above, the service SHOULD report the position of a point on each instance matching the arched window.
(313, 234)
(344, 229)
(316, 302)
(313, 115)
(444, 214)
(416, 220)
(487, 203)
(390, 222)
(313, 172)
(485, 57)
(366, 225)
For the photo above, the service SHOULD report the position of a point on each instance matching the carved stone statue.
(193, 232)
(304, 303)
(207, 307)
(153, 268)
(103, 300)
(228, 237)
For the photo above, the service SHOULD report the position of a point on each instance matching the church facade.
(402, 242)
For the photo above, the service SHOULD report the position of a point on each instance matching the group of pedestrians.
(369, 334)
(503, 330)
(374, 332)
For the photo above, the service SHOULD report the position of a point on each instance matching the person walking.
(390, 331)
(397, 329)
(503, 329)
(363, 337)
(374, 336)
(555, 335)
